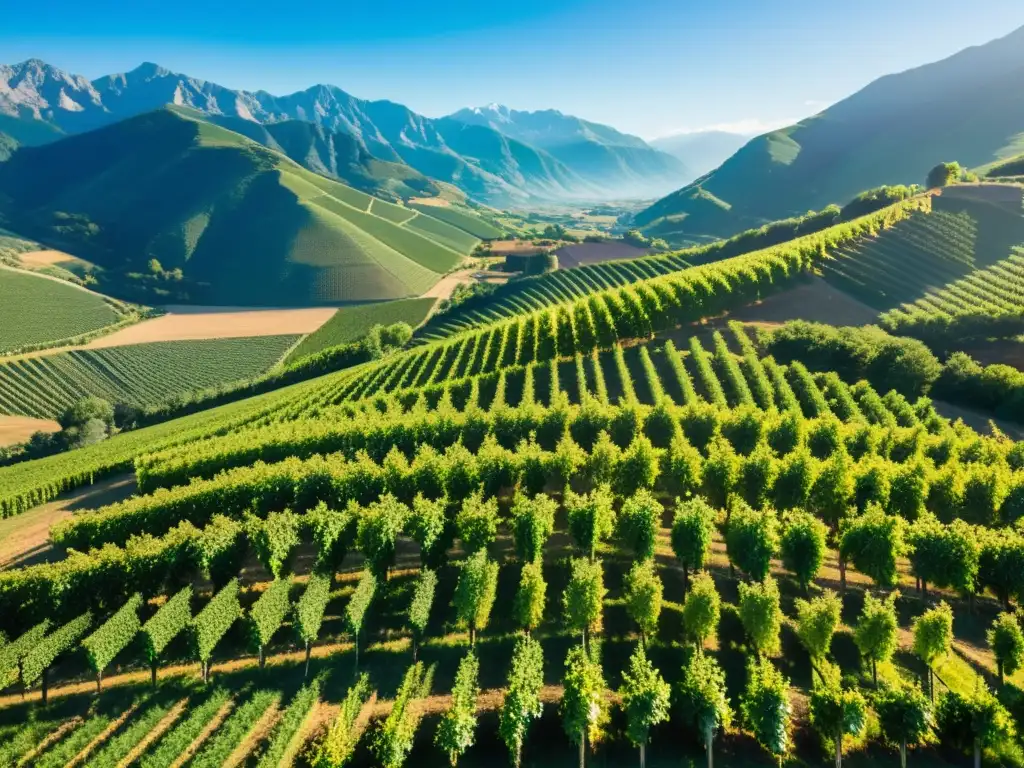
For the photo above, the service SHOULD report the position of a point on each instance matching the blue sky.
(650, 67)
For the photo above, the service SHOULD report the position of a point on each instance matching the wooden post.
(306, 673)
(708, 736)
(99, 682)
(152, 672)
(45, 688)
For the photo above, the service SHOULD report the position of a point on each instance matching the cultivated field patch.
(18, 429)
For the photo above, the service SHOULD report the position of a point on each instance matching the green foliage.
(873, 542)
(475, 592)
(645, 697)
(286, 731)
(692, 529)
(309, 610)
(379, 527)
(522, 696)
(802, 546)
(933, 633)
(533, 522)
(876, 632)
(172, 744)
(421, 603)
(14, 652)
(836, 712)
(477, 522)
(393, 740)
(701, 696)
(333, 534)
(334, 749)
(275, 540)
(977, 720)
(213, 622)
(531, 597)
(761, 615)
(591, 518)
(1007, 643)
(643, 591)
(456, 732)
(944, 174)
(752, 540)
(38, 659)
(766, 707)
(359, 603)
(583, 707)
(427, 525)
(701, 610)
(172, 618)
(114, 635)
(638, 523)
(904, 715)
(947, 556)
(583, 599)
(639, 466)
(817, 621)
(233, 731)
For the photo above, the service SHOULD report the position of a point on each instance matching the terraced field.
(410, 561)
(140, 375)
(70, 315)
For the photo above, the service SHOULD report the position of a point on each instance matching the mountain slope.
(969, 107)
(245, 225)
(39, 103)
(701, 151)
(610, 160)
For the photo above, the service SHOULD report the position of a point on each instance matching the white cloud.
(751, 126)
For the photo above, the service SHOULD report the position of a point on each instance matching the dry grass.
(195, 323)
(18, 429)
(815, 301)
(42, 259)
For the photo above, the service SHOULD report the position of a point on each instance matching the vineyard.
(139, 375)
(552, 538)
(72, 315)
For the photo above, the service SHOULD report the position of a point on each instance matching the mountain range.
(494, 161)
(968, 107)
(701, 151)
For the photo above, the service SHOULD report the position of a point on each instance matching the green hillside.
(462, 218)
(38, 312)
(243, 224)
(140, 375)
(969, 108)
(351, 323)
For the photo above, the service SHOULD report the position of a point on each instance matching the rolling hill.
(969, 107)
(244, 224)
(600, 154)
(40, 103)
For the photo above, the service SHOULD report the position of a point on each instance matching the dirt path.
(444, 287)
(161, 728)
(18, 429)
(25, 538)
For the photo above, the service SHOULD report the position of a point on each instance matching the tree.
(379, 526)
(816, 623)
(583, 599)
(872, 543)
(701, 610)
(943, 174)
(475, 593)
(761, 615)
(643, 593)
(533, 522)
(944, 555)
(591, 518)
(419, 607)
(751, 540)
(701, 698)
(309, 611)
(583, 707)
(456, 732)
(692, 530)
(1007, 643)
(831, 493)
(86, 421)
(904, 716)
(933, 637)
(267, 615)
(275, 540)
(836, 712)
(639, 522)
(973, 722)
(645, 699)
(531, 597)
(112, 637)
(428, 527)
(477, 522)
(522, 697)
(876, 632)
(639, 466)
(358, 605)
(766, 708)
(803, 547)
